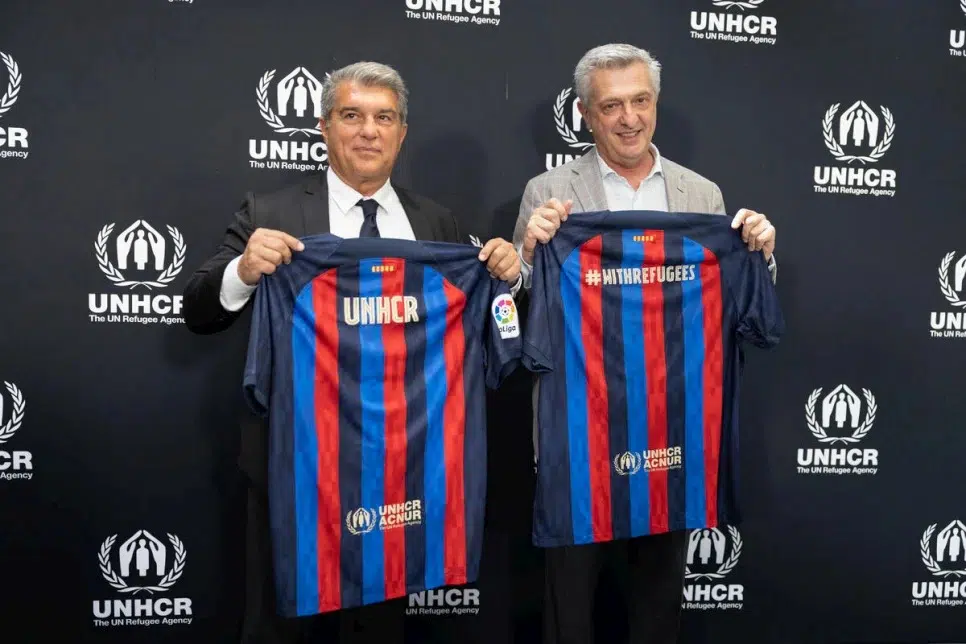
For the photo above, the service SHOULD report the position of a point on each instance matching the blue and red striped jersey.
(635, 327)
(370, 358)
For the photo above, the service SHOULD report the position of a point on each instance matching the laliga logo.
(143, 241)
(13, 83)
(8, 429)
(840, 405)
(627, 463)
(505, 314)
(710, 544)
(361, 521)
(300, 88)
(950, 543)
(143, 550)
(860, 124)
(504, 310)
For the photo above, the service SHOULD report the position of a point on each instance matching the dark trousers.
(382, 623)
(655, 566)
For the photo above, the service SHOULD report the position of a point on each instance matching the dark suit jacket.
(300, 210)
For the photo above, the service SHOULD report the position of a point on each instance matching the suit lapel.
(315, 209)
(422, 228)
(677, 199)
(587, 184)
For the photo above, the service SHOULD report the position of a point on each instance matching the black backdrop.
(154, 111)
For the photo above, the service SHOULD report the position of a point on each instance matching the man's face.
(622, 114)
(363, 134)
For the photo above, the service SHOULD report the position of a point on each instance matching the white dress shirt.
(345, 220)
(650, 195)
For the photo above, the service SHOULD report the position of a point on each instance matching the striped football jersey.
(636, 324)
(370, 358)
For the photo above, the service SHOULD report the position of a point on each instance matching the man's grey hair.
(613, 56)
(367, 74)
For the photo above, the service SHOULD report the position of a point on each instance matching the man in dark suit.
(364, 110)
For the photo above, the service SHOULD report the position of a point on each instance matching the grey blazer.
(580, 180)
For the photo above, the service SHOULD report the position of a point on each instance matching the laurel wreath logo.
(857, 435)
(16, 416)
(370, 523)
(931, 564)
(944, 285)
(13, 83)
(877, 153)
(626, 471)
(727, 566)
(748, 4)
(167, 275)
(177, 569)
(562, 128)
(962, 5)
(261, 97)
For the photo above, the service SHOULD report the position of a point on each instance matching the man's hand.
(501, 259)
(543, 225)
(756, 231)
(266, 249)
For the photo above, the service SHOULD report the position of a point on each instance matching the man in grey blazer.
(618, 87)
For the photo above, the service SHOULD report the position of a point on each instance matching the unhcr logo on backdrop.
(291, 107)
(737, 23)
(712, 555)
(146, 568)
(839, 420)
(950, 324)
(858, 137)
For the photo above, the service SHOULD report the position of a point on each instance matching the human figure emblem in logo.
(148, 557)
(951, 542)
(142, 547)
(297, 87)
(705, 542)
(949, 548)
(126, 241)
(844, 405)
(840, 409)
(710, 551)
(859, 120)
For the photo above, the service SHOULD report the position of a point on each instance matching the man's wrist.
(515, 286)
(234, 292)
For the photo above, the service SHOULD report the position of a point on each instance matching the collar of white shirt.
(606, 170)
(345, 197)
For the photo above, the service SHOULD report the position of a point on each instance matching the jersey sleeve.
(760, 319)
(504, 342)
(257, 384)
(537, 350)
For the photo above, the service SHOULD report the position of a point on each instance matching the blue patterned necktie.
(369, 208)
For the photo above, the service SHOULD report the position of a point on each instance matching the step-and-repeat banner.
(130, 132)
